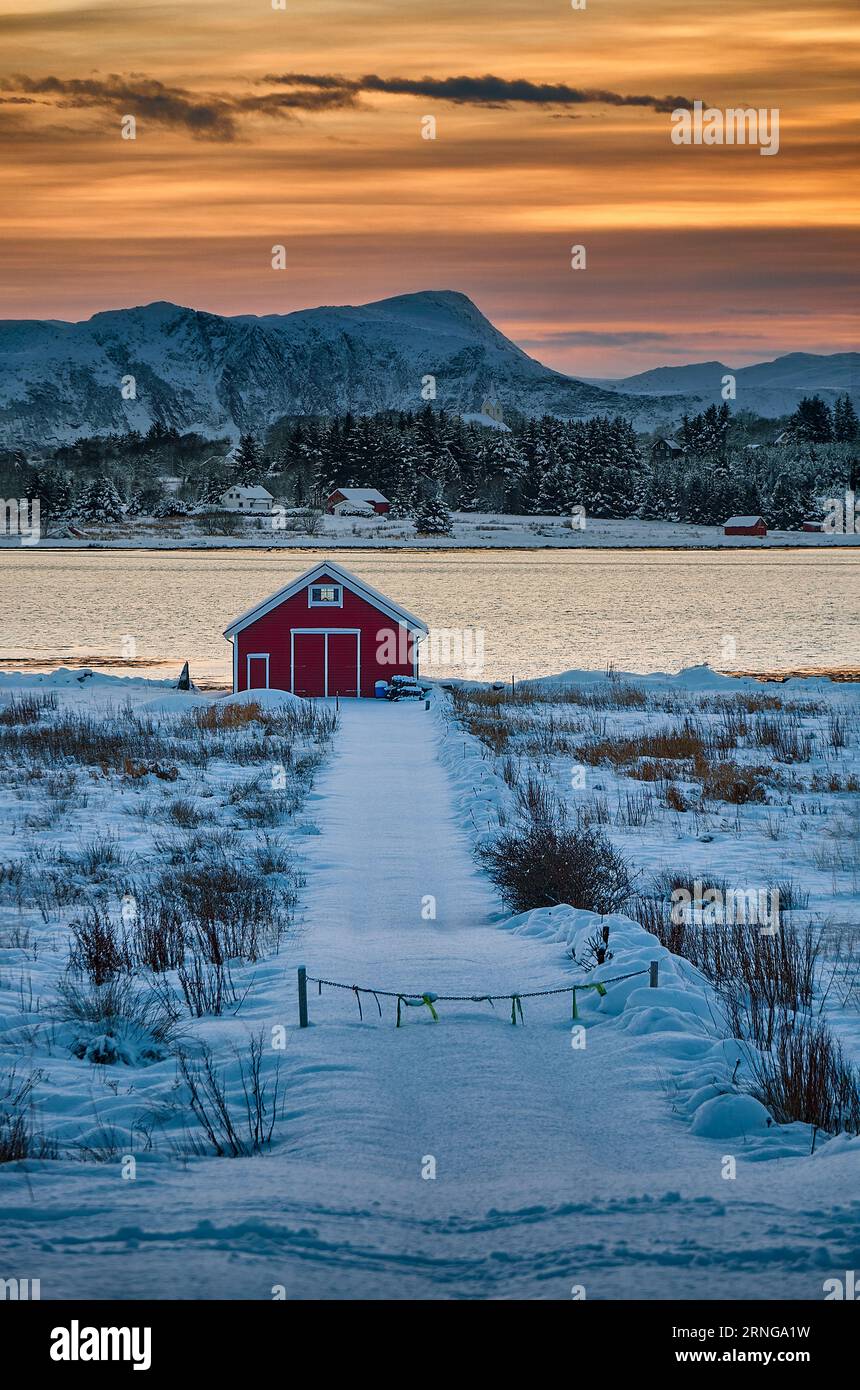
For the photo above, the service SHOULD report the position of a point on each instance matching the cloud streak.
(487, 90)
(219, 116)
(207, 118)
(204, 117)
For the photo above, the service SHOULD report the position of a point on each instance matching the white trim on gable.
(340, 575)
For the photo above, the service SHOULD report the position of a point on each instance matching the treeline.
(539, 466)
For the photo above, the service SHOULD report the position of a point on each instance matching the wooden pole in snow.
(303, 997)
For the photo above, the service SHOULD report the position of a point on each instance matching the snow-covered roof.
(744, 520)
(259, 492)
(669, 442)
(328, 567)
(360, 494)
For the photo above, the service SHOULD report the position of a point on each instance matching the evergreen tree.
(100, 501)
(246, 464)
(812, 421)
(431, 518)
(467, 495)
(403, 481)
(788, 506)
(845, 423)
(695, 502)
(51, 488)
(210, 490)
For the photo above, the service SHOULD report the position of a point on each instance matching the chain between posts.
(427, 998)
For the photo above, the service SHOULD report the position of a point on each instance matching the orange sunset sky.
(259, 125)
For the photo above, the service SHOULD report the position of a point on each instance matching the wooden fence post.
(303, 997)
(653, 974)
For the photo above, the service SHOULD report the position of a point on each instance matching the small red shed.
(745, 526)
(326, 633)
(347, 499)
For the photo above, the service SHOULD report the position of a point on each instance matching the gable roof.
(350, 581)
(249, 492)
(359, 494)
(744, 521)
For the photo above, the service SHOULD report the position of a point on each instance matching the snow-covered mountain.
(766, 388)
(200, 371)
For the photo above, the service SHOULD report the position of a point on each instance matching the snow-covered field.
(471, 530)
(458, 1158)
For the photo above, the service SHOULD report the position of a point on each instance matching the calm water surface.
(540, 612)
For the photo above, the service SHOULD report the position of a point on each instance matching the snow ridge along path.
(555, 1167)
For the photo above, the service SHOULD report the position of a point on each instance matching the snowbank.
(266, 699)
(177, 702)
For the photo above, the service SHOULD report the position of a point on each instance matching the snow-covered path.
(554, 1166)
(390, 842)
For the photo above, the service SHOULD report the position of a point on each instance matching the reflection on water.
(528, 613)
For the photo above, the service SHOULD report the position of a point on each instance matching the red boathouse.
(326, 633)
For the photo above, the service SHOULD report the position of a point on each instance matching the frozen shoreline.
(472, 531)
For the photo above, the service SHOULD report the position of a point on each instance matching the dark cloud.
(477, 91)
(218, 117)
(208, 118)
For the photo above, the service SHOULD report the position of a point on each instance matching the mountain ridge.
(221, 374)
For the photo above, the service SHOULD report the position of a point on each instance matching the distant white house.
(254, 501)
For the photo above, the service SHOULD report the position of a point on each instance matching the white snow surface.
(266, 699)
(471, 531)
(555, 1164)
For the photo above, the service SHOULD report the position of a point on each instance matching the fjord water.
(145, 612)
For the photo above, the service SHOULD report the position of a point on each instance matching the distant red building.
(352, 499)
(326, 633)
(745, 526)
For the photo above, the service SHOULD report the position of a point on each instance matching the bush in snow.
(805, 1076)
(230, 912)
(99, 950)
(207, 989)
(545, 861)
(171, 505)
(237, 1125)
(119, 1021)
(19, 1137)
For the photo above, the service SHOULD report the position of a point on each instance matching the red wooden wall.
(271, 633)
